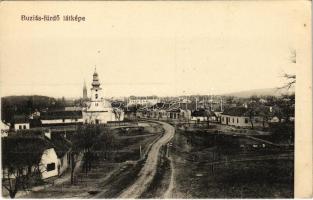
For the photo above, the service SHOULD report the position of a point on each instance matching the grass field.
(255, 174)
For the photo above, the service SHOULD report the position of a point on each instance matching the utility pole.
(221, 104)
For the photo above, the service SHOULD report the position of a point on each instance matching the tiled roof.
(61, 115)
(202, 113)
(236, 111)
(61, 145)
(20, 119)
(22, 151)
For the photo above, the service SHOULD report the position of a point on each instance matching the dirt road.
(149, 169)
(169, 192)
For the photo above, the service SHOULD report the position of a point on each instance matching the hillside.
(261, 92)
(24, 105)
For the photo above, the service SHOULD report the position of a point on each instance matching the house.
(4, 129)
(61, 117)
(274, 119)
(21, 122)
(239, 117)
(63, 149)
(49, 153)
(165, 111)
(35, 114)
(202, 115)
(29, 154)
(178, 114)
(218, 115)
(143, 101)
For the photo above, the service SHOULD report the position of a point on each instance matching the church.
(98, 110)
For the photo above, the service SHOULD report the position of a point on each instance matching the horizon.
(287, 91)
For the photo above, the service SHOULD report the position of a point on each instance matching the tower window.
(96, 96)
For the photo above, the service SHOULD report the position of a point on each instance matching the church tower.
(96, 89)
(99, 110)
(85, 91)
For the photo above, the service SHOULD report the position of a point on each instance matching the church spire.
(85, 90)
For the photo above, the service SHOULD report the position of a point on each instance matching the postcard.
(156, 99)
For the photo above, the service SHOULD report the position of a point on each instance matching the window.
(96, 96)
(20, 127)
(233, 120)
(237, 121)
(96, 104)
(63, 120)
(246, 120)
(24, 126)
(50, 167)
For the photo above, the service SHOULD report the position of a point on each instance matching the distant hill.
(24, 105)
(261, 92)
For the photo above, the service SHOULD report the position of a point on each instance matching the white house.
(4, 129)
(239, 117)
(21, 122)
(21, 149)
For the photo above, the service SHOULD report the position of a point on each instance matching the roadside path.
(148, 171)
(169, 192)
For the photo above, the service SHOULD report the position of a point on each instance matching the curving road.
(148, 171)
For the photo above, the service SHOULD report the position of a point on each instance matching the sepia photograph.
(155, 100)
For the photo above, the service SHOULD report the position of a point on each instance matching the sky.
(149, 48)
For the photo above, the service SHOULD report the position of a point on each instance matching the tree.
(264, 112)
(90, 139)
(290, 78)
(252, 110)
(230, 99)
(21, 158)
(290, 81)
(286, 106)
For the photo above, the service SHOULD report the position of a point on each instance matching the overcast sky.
(154, 48)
